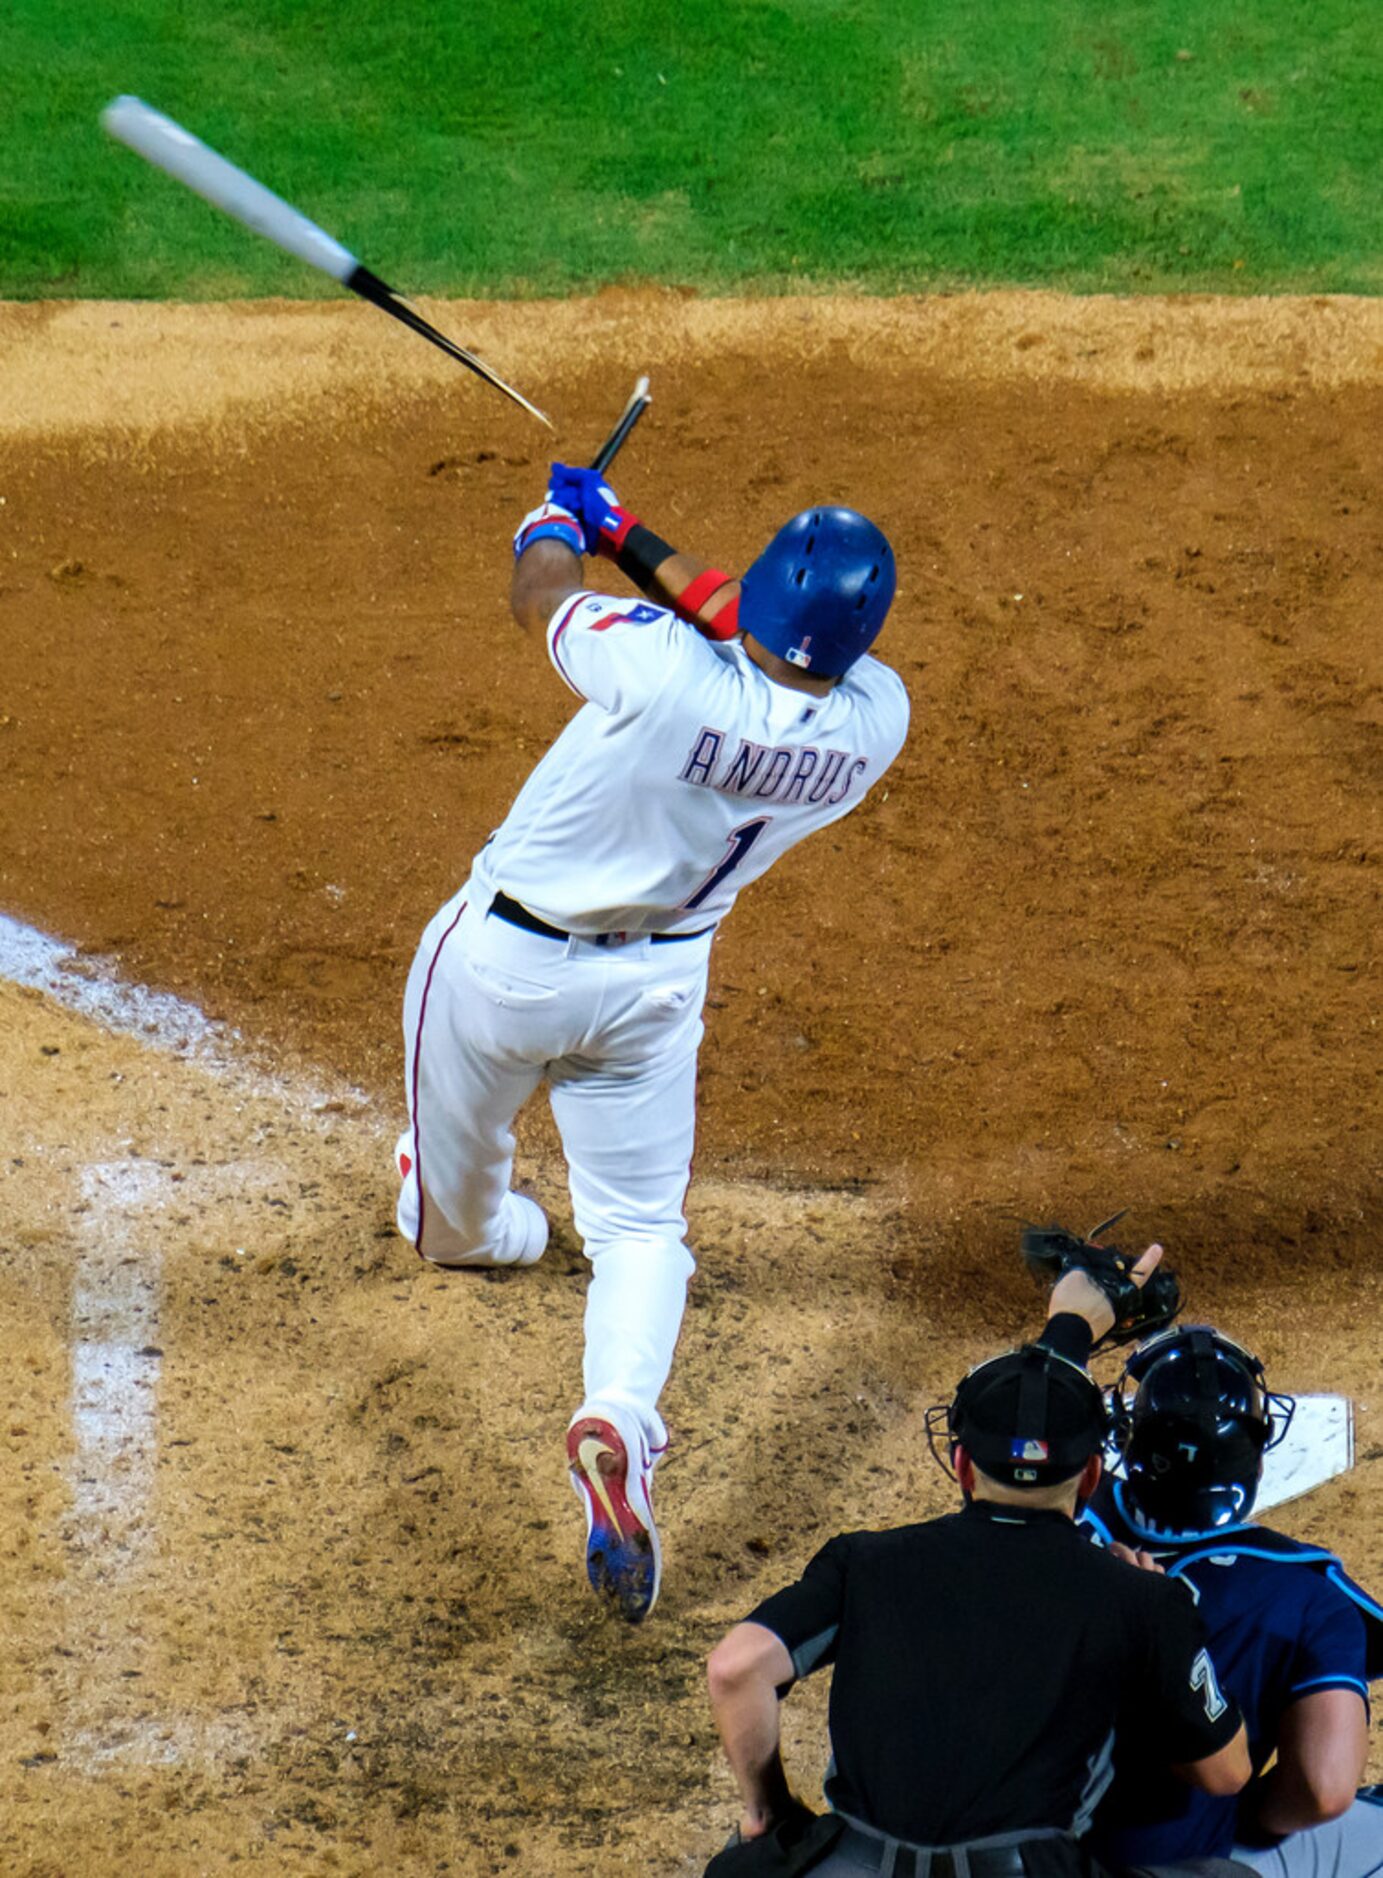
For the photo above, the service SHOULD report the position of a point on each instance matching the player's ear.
(965, 1469)
(1089, 1479)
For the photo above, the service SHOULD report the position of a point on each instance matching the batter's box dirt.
(324, 974)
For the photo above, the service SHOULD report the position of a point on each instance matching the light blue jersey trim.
(1332, 1682)
(1088, 1517)
(1339, 1577)
(1244, 1547)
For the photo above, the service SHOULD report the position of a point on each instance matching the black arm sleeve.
(1067, 1334)
(641, 555)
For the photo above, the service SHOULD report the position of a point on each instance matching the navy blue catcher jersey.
(1283, 1620)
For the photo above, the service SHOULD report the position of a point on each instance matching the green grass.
(497, 147)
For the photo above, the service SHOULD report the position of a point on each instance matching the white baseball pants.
(490, 1011)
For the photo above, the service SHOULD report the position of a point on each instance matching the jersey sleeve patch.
(1195, 1715)
(599, 658)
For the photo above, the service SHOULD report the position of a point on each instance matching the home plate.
(1319, 1445)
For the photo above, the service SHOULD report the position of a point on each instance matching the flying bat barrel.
(165, 144)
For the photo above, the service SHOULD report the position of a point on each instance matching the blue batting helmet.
(818, 593)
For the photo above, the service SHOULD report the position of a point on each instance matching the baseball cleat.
(531, 1229)
(612, 1473)
(523, 1242)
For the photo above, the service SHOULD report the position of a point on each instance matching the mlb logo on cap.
(1029, 1450)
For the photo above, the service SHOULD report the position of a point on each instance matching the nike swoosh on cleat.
(588, 1454)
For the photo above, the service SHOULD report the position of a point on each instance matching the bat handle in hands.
(638, 403)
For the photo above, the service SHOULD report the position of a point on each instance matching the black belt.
(516, 915)
(944, 1861)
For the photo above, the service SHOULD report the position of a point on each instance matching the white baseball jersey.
(684, 776)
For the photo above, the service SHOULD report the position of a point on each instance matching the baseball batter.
(721, 722)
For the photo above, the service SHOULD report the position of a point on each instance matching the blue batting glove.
(586, 494)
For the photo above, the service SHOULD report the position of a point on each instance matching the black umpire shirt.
(983, 1663)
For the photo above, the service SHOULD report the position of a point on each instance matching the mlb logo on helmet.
(1026, 1449)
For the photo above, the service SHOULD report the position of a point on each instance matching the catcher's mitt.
(1051, 1251)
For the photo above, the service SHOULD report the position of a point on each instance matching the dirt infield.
(1107, 938)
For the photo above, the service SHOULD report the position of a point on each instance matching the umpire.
(984, 1661)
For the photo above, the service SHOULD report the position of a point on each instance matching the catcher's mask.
(1194, 1440)
(818, 593)
(1028, 1418)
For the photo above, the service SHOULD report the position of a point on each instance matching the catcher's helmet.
(1194, 1440)
(1028, 1418)
(818, 593)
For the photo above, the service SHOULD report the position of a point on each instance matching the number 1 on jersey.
(741, 841)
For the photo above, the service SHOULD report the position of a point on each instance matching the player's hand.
(1141, 1293)
(590, 498)
(1143, 1560)
(755, 1821)
(1076, 1291)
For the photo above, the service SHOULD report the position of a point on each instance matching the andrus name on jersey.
(796, 773)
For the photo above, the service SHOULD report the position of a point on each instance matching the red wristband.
(699, 590)
(725, 624)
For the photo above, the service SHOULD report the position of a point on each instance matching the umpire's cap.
(1029, 1418)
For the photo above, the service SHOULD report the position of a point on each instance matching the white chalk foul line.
(117, 1356)
(109, 1527)
(110, 1531)
(92, 987)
